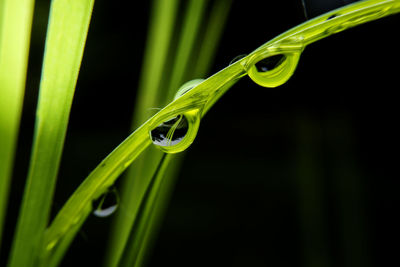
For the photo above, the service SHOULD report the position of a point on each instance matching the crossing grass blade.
(15, 30)
(139, 176)
(157, 209)
(148, 221)
(139, 230)
(162, 21)
(191, 25)
(213, 34)
(65, 41)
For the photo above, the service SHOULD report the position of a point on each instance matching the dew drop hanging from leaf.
(274, 70)
(171, 132)
(176, 134)
(106, 204)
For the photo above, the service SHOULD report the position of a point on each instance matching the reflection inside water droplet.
(170, 132)
(106, 204)
(270, 63)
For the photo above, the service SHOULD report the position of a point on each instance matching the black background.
(299, 175)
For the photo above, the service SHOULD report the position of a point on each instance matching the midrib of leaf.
(15, 30)
(66, 36)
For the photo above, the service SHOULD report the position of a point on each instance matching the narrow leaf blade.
(15, 28)
(66, 36)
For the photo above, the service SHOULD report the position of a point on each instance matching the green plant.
(270, 65)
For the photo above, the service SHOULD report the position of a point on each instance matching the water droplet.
(237, 58)
(274, 70)
(106, 204)
(186, 87)
(178, 133)
(171, 132)
(270, 63)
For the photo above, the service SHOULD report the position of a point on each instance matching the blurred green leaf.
(162, 22)
(66, 36)
(15, 30)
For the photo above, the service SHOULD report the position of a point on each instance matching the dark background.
(299, 175)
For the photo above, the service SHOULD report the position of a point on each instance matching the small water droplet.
(274, 70)
(186, 87)
(270, 63)
(171, 132)
(106, 204)
(237, 58)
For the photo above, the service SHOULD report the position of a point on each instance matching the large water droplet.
(274, 70)
(176, 134)
(171, 132)
(270, 63)
(106, 204)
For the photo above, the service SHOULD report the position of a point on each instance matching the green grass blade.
(15, 30)
(135, 250)
(213, 34)
(191, 24)
(137, 180)
(158, 209)
(147, 224)
(54, 258)
(66, 36)
(193, 104)
(162, 23)
(98, 181)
